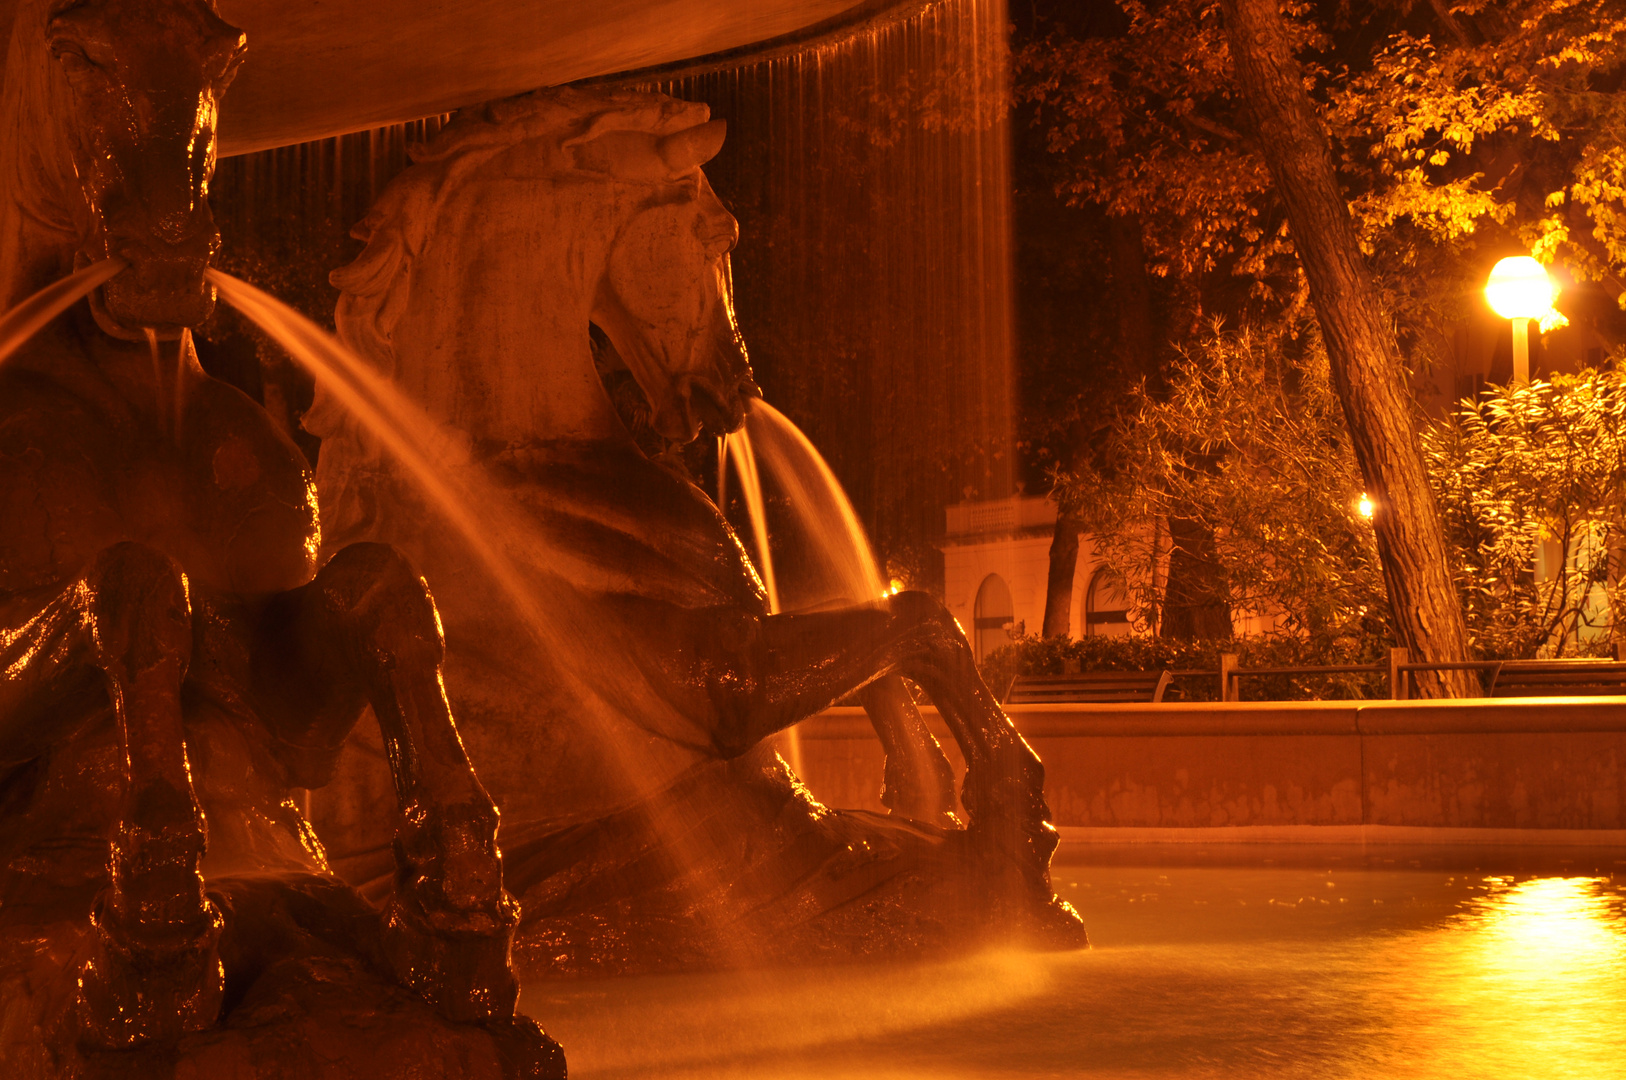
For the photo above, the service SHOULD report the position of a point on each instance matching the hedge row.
(1057, 656)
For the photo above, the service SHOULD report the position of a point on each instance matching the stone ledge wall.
(1540, 763)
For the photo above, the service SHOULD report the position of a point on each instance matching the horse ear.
(692, 147)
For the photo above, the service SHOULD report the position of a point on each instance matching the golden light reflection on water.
(1529, 971)
(1198, 974)
(1547, 928)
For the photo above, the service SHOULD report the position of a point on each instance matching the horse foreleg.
(365, 631)
(152, 971)
(918, 781)
(764, 674)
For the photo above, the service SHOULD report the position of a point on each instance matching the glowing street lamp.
(1519, 289)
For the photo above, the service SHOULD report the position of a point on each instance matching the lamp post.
(1519, 289)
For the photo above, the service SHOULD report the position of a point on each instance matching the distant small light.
(894, 588)
(1365, 507)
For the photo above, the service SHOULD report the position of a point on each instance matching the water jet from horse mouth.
(31, 316)
(837, 565)
(404, 429)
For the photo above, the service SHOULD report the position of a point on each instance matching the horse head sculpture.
(631, 225)
(630, 747)
(669, 274)
(111, 147)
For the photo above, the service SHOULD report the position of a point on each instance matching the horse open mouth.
(721, 411)
(164, 291)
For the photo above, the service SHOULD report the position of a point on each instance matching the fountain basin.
(318, 68)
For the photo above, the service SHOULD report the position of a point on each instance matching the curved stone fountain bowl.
(321, 68)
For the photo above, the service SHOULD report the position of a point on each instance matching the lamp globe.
(1519, 288)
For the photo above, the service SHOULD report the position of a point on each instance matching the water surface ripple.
(1327, 965)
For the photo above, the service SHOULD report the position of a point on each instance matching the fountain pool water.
(1241, 962)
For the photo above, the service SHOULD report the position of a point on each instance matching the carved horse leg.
(153, 969)
(365, 631)
(764, 674)
(919, 782)
(918, 779)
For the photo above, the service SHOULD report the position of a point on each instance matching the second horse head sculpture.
(172, 662)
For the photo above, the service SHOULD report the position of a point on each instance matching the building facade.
(996, 569)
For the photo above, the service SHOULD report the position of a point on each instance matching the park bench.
(1558, 678)
(1123, 687)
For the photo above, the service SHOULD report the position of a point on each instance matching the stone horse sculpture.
(647, 825)
(172, 663)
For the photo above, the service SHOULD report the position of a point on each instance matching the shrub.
(1059, 656)
(1246, 440)
(1528, 467)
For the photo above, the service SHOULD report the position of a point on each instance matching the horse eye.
(72, 58)
(229, 66)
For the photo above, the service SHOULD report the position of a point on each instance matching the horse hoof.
(527, 1052)
(134, 990)
(464, 974)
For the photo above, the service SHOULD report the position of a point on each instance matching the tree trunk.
(1365, 360)
(1196, 603)
(1058, 599)
(1133, 291)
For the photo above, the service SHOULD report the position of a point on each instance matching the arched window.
(993, 615)
(1106, 604)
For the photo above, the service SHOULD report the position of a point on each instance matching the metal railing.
(1399, 669)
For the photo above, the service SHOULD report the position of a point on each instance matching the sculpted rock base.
(737, 865)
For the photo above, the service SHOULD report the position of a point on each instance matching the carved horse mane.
(36, 167)
(593, 143)
(377, 283)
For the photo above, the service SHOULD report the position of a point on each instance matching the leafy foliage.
(1461, 131)
(1148, 123)
(1504, 112)
(1447, 121)
(1531, 468)
(1247, 439)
